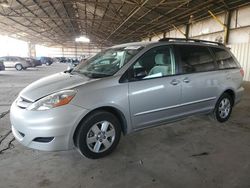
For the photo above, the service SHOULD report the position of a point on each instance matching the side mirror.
(69, 70)
(139, 73)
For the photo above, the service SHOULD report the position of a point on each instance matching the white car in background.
(15, 62)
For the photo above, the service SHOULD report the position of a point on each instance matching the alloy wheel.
(224, 108)
(100, 137)
(19, 67)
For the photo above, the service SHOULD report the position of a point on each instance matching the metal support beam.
(216, 19)
(228, 23)
(131, 15)
(143, 16)
(187, 31)
(161, 26)
(67, 14)
(46, 13)
(32, 49)
(156, 20)
(225, 28)
(177, 29)
(164, 35)
(25, 26)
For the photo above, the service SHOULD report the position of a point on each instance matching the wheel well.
(112, 110)
(118, 114)
(231, 93)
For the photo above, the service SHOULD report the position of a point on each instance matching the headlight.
(54, 100)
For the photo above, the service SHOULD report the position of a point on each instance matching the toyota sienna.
(124, 89)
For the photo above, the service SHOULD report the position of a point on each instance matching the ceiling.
(105, 22)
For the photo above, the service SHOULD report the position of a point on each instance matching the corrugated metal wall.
(242, 53)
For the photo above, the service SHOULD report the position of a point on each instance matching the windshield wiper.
(95, 74)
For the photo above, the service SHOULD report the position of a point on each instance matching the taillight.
(242, 72)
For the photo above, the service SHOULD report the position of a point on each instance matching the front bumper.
(58, 124)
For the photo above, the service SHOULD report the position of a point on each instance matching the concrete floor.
(195, 152)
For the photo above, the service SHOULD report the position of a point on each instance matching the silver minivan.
(124, 89)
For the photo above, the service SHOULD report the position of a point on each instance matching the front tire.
(19, 67)
(98, 135)
(223, 108)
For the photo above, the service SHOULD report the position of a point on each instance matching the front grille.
(43, 139)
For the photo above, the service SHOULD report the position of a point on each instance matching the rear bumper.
(54, 127)
(238, 95)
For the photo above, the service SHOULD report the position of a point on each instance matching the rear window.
(224, 59)
(195, 59)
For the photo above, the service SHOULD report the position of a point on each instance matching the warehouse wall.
(242, 53)
(210, 29)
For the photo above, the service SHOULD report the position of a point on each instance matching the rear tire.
(19, 67)
(98, 135)
(223, 108)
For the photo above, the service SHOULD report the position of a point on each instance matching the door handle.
(186, 80)
(174, 82)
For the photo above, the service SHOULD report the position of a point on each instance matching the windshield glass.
(107, 62)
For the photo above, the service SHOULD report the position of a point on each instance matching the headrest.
(162, 59)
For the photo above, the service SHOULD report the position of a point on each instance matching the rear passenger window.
(224, 59)
(195, 59)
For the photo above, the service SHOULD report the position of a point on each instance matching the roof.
(171, 41)
(105, 22)
(133, 44)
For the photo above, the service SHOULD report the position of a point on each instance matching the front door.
(154, 89)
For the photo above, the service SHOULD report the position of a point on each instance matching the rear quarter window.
(224, 59)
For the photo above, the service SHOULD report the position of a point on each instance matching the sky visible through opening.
(13, 47)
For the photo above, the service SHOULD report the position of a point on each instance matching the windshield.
(107, 62)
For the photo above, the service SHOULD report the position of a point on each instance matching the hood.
(52, 84)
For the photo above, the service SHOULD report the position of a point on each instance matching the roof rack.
(190, 40)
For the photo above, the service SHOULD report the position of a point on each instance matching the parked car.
(33, 62)
(2, 67)
(45, 60)
(62, 60)
(72, 63)
(15, 62)
(124, 89)
(56, 59)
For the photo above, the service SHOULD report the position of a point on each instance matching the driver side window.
(155, 63)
